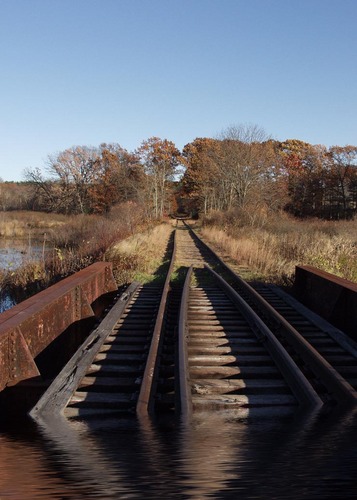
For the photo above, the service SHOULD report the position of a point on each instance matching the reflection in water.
(209, 455)
(215, 456)
(6, 302)
(23, 470)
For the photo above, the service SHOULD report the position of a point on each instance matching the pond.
(13, 254)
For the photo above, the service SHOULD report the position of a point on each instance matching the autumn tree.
(118, 179)
(47, 194)
(87, 180)
(15, 196)
(77, 169)
(240, 170)
(305, 169)
(160, 159)
(342, 180)
(199, 183)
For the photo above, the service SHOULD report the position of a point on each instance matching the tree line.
(243, 169)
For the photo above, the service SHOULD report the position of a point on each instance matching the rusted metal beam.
(330, 296)
(28, 328)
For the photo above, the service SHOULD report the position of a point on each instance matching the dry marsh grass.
(274, 250)
(141, 255)
(20, 224)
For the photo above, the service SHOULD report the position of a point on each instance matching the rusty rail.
(185, 401)
(338, 387)
(145, 402)
(28, 328)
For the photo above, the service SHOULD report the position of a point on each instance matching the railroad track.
(215, 343)
(230, 360)
(116, 369)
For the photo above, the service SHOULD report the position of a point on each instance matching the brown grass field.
(273, 249)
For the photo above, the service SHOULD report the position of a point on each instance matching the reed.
(19, 224)
(2, 279)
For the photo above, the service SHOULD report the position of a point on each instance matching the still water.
(213, 457)
(14, 253)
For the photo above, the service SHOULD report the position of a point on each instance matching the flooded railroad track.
(214, 343)
(113, 380)
(228, 358)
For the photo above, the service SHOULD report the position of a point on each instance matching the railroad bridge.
(212, 342)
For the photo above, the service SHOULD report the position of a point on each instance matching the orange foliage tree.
(199, 183)
(161, 160)
(305, 168)
(119, 177)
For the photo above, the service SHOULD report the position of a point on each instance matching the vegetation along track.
(215, 343)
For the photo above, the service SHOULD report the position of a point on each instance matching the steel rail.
(335, 384)
(300, 386)
(185, 397)
(145, 401)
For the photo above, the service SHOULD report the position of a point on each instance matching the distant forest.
(243, 171)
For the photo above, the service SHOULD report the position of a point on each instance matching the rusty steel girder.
(330, 296)
(29, 327)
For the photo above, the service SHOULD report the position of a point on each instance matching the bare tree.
(243, 163)
(46, 194)
(75, 169)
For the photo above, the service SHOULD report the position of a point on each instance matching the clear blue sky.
(82, 72)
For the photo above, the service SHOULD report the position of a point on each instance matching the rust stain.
(28, 328)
